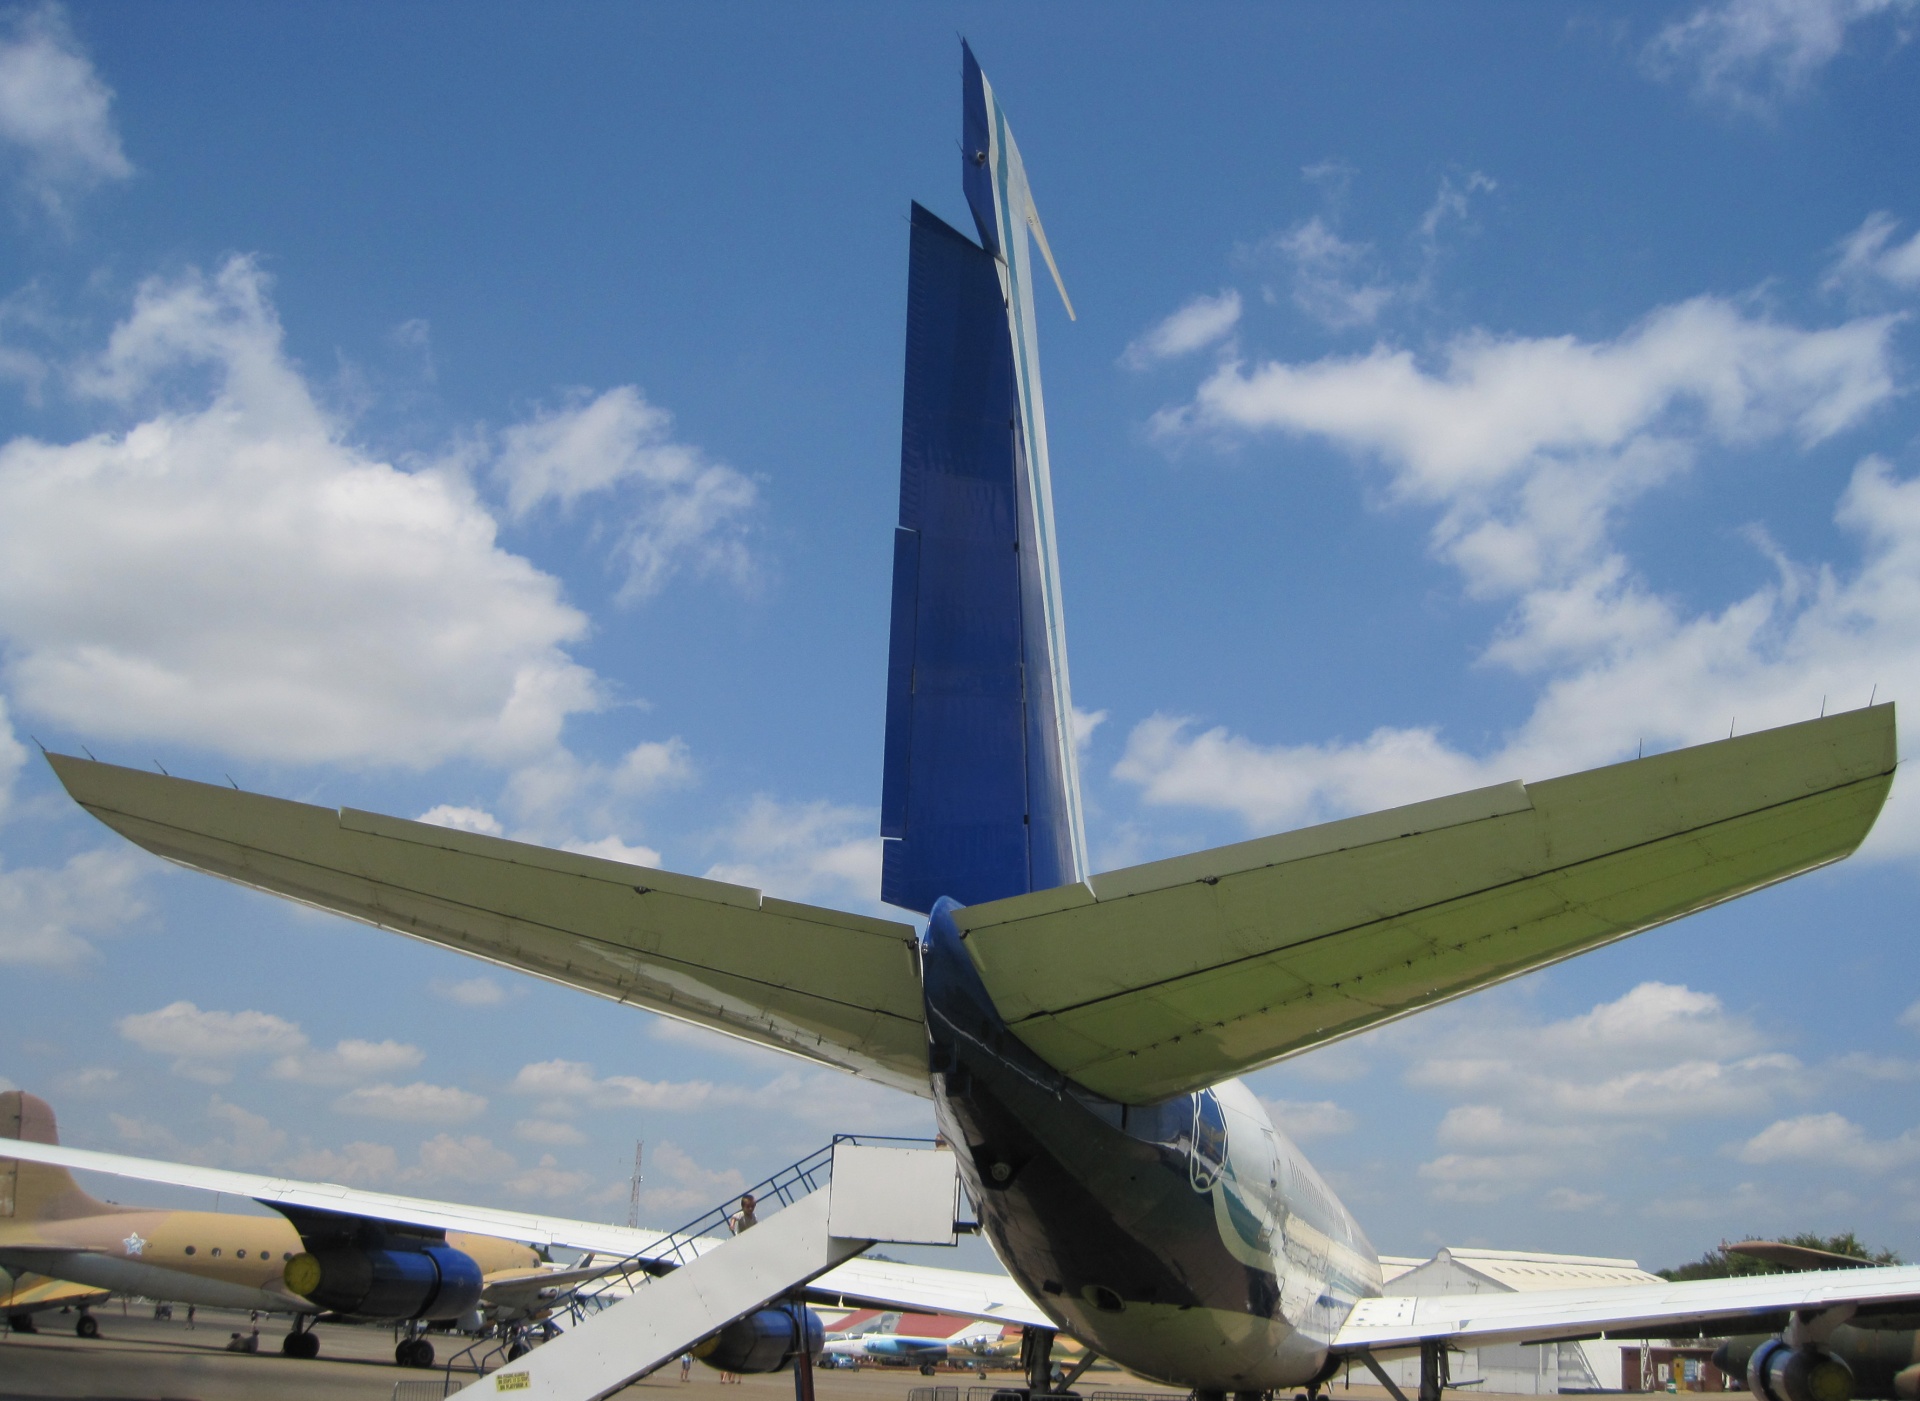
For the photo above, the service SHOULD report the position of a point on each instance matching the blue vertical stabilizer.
(981, 795)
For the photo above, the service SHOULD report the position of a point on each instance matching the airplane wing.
(1167, 977)
(843, 989)
(618, 1241)
(28, 1292)
(1750, 1303)
(919, 1288)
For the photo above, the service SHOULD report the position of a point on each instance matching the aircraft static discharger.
(1079, 1034)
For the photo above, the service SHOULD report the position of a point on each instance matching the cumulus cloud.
(348, 1062)
(46, 913)
(418, 1103)
(1528, 450)
(548, 1181)
(676, 1182)
(474, 1158)
(1305, 1120)
(1829, 1139)
(56, 116)
(357, 1164)
(1200, 323)
(232, 573)
(1749, 54)
(470, 992)
(688, 512)
(1535, 1103)
(816, 851)
(205, 1045)
(464, 819)
(566, 1081)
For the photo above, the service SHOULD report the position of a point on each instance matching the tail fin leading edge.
(982, 794)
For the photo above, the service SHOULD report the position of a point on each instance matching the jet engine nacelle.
(1776, 1372)
(766, 1341)
(434, 1281)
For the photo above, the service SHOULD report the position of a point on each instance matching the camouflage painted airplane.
(1079, 1034)
(49, 1226)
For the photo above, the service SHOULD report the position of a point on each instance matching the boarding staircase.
(646, 1310)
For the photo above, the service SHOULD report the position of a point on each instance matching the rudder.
(37, 1191)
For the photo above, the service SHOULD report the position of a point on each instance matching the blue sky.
(494, 414)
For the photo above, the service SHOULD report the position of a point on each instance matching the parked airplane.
(890, 1349)
(1078, 1033)
(303, 1263)
(1883, 1361)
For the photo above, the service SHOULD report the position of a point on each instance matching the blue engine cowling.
(1777, 1372)
(766, 1341)
(431, 1281)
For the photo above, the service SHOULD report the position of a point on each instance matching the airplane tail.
(982, 792)
(35, 1191)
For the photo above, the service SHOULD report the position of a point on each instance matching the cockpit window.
(1208, 1152)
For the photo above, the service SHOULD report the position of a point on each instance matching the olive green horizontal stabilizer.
(843, 989)
(1162, 978)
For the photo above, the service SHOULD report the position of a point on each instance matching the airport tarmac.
(140, 1358)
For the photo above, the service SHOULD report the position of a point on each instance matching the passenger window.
(240, 1254)
(215, 1250)
(189, 1250)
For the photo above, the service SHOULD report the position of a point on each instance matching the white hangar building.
(1525, 1369)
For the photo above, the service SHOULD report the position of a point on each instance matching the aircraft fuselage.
(1188, 1240)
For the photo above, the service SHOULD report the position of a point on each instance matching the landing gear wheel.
(302, 1345)
(926, 1370)
(21, 1323)
(414, 1352)
(87, 1326)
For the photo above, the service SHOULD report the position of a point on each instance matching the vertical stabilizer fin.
(982, 789)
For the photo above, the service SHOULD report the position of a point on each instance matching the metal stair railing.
(681, 1246)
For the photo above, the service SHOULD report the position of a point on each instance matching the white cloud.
(1200, 323)
(204, 1045)
(652, 766)
(463, 819)
(1751, 53)
(231, 573)
(251, 1140)
(1829, 1139)
(565, 1080)
(418, 1103)
(677, 1183)
(1085, 722)
(815, 851)
(549, 1181)
(689, 512)
(47, 912)
(1304, 1120)
(1568, 1199)
(1561, 1100)
(444, 1158)
(548, 1131)
(1330, 278)
(357, 1164)
(1866, 259)
(13, 758)
(1910, 1018)
(470, 992)
(90, 1080)
(613, 849)
(348, 1062)
(1528, 449)
(55, 112)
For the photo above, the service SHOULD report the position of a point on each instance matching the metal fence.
(427, 1388)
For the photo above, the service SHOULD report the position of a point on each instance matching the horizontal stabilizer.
(1151, 981)
(843, 989)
